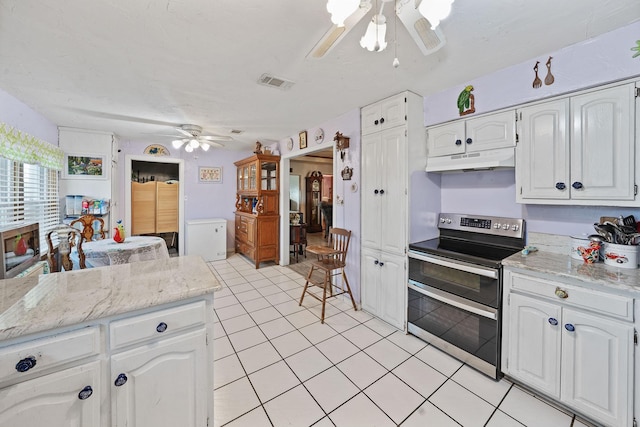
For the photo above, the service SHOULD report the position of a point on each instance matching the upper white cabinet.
(578, 150)
(482, 133)
(386, 114)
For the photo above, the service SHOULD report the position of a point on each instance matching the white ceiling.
(139, 67)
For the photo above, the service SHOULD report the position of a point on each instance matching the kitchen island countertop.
(37, 304)
(563, 266)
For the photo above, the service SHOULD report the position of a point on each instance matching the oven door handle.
(458, 265)
(455, 301)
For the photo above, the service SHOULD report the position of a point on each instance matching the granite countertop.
(36, 304)
(565, 267)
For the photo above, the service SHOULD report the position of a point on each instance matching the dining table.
(100, 253)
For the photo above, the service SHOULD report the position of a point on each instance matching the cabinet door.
(490, 132)
(393, 111)
(542, 155)
(602, 144)
(371, 184)
(143, 207)
(166, 383)
(392, 212)
(392, 290)
(446, 140)
(370, 119)
(597, 367)
(370, 281)
(534, 343)
(54, 400)
(167, 207)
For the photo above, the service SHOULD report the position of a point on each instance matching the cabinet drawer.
(48, 352)
(599, 302)
(154, 325)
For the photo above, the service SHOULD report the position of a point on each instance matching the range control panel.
(500, 226)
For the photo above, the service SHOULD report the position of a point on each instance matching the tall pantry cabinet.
(392, 132)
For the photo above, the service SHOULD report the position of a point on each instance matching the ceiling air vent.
(236, 131)
(278, 83)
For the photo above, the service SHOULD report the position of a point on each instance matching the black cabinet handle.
(381, 120)
(121, 380)
(25, 364)
(458, 142)
(375, 122)
(577, 185)
(553, 321)
(376, 191)
(381, 263)
(161, 327)
(381, 191)
(469, 140)
(569, 327)
(376, 262)
(560, 185)
(85, 393)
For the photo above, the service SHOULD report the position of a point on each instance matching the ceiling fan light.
(188, 148)
(340, 10)
(177, 143)
(194, 143)
(374, 38)
(435, 10)
(204, 146)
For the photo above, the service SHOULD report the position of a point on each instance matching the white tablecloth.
(135, 248)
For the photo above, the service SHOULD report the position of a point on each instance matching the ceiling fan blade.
(184, 132)
(332, 37)
(213, 143)
(215, 138)
(120, 117)
(419, 28)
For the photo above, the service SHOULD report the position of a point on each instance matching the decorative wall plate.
(290, 144)
(319, 137)
(157, 150)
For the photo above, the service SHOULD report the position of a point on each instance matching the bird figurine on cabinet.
(118, 232)
(466, 101)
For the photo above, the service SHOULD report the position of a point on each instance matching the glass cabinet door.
(268, 177)
(245, 178)
(252, 177)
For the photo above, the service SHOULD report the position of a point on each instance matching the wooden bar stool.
(331, 261)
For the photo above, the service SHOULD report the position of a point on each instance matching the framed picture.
(210, 174)
(303, 139)
(85, 166)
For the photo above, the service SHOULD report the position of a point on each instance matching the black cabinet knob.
(85, 393)
(25, 364)
(560, 185)
(553, 321)
(376, 191)
(577, 185)
(375, 122)
(161, 327)
(569, 327)
(381, 263)
(381, 120)
(381, 191)
(121, 380)
(376, 262)
(458, 142)
(469, 140)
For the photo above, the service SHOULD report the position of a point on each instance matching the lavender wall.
(17, 114)
(597, 61)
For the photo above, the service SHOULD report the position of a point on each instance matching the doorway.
(132, 173)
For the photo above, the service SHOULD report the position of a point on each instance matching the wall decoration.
(210, 174)
(636, 49)
(346, 173)
(258, 149)
(466, 101)
(549, 79)
(85, 166)
(319, 136)
(342, 144)
(537, 83)
(303, 139)
(157, 150)
(290, 144)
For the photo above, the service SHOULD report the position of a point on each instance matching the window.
(28, 194)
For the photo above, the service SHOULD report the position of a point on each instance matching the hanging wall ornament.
(549, 79)
(537, 83)
(636, 49)
(466, 101)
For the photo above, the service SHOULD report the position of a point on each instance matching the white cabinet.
(161, 384)
(381, 273)
(573, 344)
(578, 150)
(392, 132)
(70, 397)
(482, 133)
(386, 114)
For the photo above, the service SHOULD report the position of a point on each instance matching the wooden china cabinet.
(257, 215)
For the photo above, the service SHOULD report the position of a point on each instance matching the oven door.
(470, 281)
(466, 330)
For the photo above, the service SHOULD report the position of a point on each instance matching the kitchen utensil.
(605, 231)
(536, 82)
(549, 79)
(629, 221)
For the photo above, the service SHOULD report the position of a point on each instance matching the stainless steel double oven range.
(455, 286)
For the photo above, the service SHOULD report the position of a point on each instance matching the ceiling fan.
(420, 17)
(193, 139)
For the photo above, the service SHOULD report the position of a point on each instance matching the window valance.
(20, 146)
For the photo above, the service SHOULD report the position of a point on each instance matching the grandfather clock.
(314, 197)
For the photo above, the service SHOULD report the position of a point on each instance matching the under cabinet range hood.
(499, 158)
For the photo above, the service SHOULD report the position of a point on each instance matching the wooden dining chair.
(330, 265)
(68, 238)
(89, 228)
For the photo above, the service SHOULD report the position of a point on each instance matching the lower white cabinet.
(559, 344)
(384, 286)
(161, 384)
(71, 397)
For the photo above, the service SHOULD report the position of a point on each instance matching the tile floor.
(277, 365)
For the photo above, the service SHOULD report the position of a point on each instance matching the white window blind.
(28, 194)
